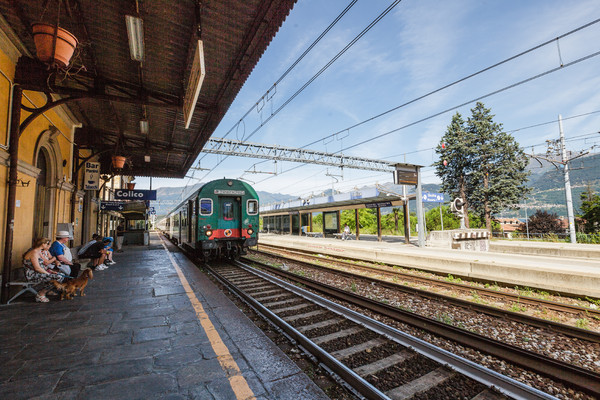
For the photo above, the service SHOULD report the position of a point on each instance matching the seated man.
(61, 251)
(86, 246)
(97, 253)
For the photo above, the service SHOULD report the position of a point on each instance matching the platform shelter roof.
(363, 198)
(114, 92)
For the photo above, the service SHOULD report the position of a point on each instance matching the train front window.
(252, 207)
(206, 206)
(228, 211)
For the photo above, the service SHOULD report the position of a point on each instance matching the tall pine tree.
(454, 165)
(485, 165)
(498, 169)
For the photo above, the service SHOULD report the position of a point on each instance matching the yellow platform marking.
(236, 379)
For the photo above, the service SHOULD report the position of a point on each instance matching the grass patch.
(452, 279)
(582, 323)
(517, 307)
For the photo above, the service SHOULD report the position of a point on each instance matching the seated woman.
(33, 261)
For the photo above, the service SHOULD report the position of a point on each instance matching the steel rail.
(487, 377)
(568, 330)
(352, 378)
(460, 286)
(580, 378)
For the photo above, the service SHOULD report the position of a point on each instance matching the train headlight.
(250, 231)
(208, 233)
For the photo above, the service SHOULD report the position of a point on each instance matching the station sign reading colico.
(124, 194)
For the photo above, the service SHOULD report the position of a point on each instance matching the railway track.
(481, 292)
(573, 376)
(375, 360)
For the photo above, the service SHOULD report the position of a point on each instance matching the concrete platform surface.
(152, 326)
(577, 276)
(559, 249)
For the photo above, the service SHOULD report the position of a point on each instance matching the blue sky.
(420, 46)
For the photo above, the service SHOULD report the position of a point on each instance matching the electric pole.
(568, 195)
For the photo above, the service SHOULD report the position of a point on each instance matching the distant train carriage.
(218, 220)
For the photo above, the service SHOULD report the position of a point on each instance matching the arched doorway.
(41, 220)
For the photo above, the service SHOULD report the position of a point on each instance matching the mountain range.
(546, 180)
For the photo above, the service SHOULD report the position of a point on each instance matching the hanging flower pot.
(118, 162)
(43, 36)
(130, 185)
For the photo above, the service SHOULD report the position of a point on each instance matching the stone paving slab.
(135, 335)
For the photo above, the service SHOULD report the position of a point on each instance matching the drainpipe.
(15, 120)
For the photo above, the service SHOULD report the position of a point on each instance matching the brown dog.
(69, 288)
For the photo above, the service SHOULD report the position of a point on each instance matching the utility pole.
(568, 194)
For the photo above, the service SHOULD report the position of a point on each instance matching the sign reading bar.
(194, 84)
(91, 179)
(124, 194)
(433, 197)
(111, 206)
(380, 204)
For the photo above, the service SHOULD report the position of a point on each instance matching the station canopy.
(363, 198)
(135, 108)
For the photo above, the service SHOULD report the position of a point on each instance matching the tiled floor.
(135, 335)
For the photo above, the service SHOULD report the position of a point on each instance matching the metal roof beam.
(279, 153)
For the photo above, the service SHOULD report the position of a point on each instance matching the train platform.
(549, 269)
(152, 326)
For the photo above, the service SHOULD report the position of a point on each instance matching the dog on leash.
(69, 288)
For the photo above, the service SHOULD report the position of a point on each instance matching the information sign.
(406, 174)
(380, 204)
(111, 206)
(433, 197)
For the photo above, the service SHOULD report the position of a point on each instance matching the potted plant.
(118, 162)
(54, 45)
(131, 185)
(48, 49)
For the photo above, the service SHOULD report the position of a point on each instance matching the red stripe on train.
(235, 234)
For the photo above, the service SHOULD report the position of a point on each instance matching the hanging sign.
(406, 174)
(380, 204)
(194, 84)
(111, 206)
(124, 194)
(91, 176)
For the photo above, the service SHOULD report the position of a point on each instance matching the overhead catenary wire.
(315, 76)
(503, 89)
(290, 68)
(453, 83)
(543, 44)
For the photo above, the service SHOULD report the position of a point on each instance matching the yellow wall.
(24, 213)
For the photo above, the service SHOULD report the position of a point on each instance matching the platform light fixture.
(147, 158)
(135, 34)
(144, 126)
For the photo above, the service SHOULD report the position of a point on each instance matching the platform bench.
(349, 236)
(314, 234)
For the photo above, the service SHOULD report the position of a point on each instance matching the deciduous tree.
(542, 222)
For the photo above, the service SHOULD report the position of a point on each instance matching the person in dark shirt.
(97, 253)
